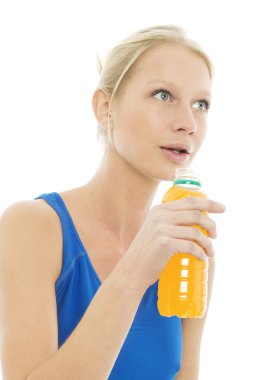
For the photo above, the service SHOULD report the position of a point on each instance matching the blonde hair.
(121, 58)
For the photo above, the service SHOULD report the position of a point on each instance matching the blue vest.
(152, 349)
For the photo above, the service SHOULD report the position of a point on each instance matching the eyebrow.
(171, 84)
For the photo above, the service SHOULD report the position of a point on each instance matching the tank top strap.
(71, 246)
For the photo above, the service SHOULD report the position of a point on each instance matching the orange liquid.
(182, 287)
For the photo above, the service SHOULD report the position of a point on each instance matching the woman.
(79, 269)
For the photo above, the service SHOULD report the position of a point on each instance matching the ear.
(100, 105)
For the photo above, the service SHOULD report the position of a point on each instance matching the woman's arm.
(192, 335)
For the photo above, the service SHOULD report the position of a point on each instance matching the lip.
(175, 157)
(188, 148)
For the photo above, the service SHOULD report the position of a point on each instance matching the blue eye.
(202, 105)
(162, 94)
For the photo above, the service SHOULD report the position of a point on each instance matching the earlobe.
(100, 105)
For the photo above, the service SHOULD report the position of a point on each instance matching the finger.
(186, 246)
(193, 234)
(191, 217)
(195, 203)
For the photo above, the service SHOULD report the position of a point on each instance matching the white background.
(48, 132)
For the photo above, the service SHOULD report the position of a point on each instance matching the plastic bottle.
(182, 286)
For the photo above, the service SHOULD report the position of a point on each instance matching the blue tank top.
(152, 349)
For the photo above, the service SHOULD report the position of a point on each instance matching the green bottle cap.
(187, 177)
(186, 181)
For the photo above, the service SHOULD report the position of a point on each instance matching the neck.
(121, 196)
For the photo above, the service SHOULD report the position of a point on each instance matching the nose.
(184, 120)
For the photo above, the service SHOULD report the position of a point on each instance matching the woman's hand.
(168, 230)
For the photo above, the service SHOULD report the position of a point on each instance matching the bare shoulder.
(33, 222)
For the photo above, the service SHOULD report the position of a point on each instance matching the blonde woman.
(79, 269)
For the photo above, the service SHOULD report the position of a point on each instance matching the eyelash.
(162, 90)
(207, 103)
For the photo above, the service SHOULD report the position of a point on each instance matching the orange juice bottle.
(182, 286)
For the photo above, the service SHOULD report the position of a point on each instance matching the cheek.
(125, 134)
(201, 133)
(135, 136)
(134, 125)
(202, 127)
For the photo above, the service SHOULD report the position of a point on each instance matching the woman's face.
(163, 102)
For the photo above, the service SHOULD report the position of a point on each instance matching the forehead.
(172, 62)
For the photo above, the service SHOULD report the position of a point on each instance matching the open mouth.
(177, 155)
(177, 150)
